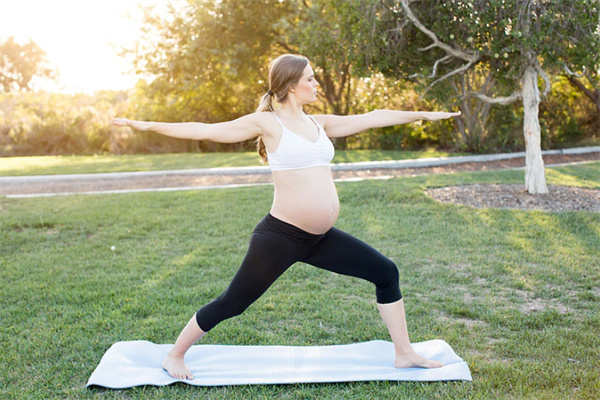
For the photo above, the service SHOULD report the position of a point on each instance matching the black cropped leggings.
(276, 245)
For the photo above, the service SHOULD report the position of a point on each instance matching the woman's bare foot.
(413, 360)
(175, 367)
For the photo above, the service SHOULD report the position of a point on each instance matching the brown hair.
(284, 71)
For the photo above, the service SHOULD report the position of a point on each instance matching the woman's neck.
(291, 111)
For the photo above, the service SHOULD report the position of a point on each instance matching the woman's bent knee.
(217, 311)
(387, 287)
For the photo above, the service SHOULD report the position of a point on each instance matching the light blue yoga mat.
(136, 363)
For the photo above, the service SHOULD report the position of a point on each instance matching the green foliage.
(208, 58)
(45, 123)
(19, 63)
(500, 31)
(324, 33)
(500, 35)
(377, 91)
(568, 117)
(504, 132)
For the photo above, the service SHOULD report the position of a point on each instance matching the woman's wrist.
(425, 115)
(143, 125)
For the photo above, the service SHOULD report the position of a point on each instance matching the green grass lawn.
(515, 293)
(53, 165)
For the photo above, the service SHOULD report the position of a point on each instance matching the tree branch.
(446, 58)
(433, 73)
(286, 47)
(470, 57)
(463, 55)
(593, 95)
(431, 46)
(489, 80)
(541, 72)
(449, 74)
(573, 78)
(546, 79)
(495, 100)
(571, 73)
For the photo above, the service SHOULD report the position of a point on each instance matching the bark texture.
(535, 177)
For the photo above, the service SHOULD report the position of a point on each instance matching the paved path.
(195, 179)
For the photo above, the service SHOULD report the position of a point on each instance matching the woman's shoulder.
(323, 119)
(259, 116)
(266, 121)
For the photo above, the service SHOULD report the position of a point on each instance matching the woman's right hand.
(139, 125)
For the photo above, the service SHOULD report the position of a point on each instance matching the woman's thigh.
(268, 257)
(344, 254)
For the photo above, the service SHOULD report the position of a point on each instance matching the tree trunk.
(535, 178)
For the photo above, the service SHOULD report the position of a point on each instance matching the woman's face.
(305, 90)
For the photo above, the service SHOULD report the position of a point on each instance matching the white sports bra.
(297, 152)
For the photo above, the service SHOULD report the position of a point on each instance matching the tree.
(212, 56)
(320, 32)
(508, 44)
(20, 63)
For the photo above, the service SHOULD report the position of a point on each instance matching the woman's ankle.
(404, 350)
(175, 353)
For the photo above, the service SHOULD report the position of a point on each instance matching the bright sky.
(81, 38)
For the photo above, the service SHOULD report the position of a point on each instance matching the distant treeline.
(57, 124)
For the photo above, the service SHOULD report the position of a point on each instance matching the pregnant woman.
(299, 226)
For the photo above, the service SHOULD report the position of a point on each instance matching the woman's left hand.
(436, 116)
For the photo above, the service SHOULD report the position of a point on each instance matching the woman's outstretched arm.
(346, 125)
(239, 130)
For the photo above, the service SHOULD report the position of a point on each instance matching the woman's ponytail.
(266, 104)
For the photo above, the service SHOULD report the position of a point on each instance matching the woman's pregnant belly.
(306, 198)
